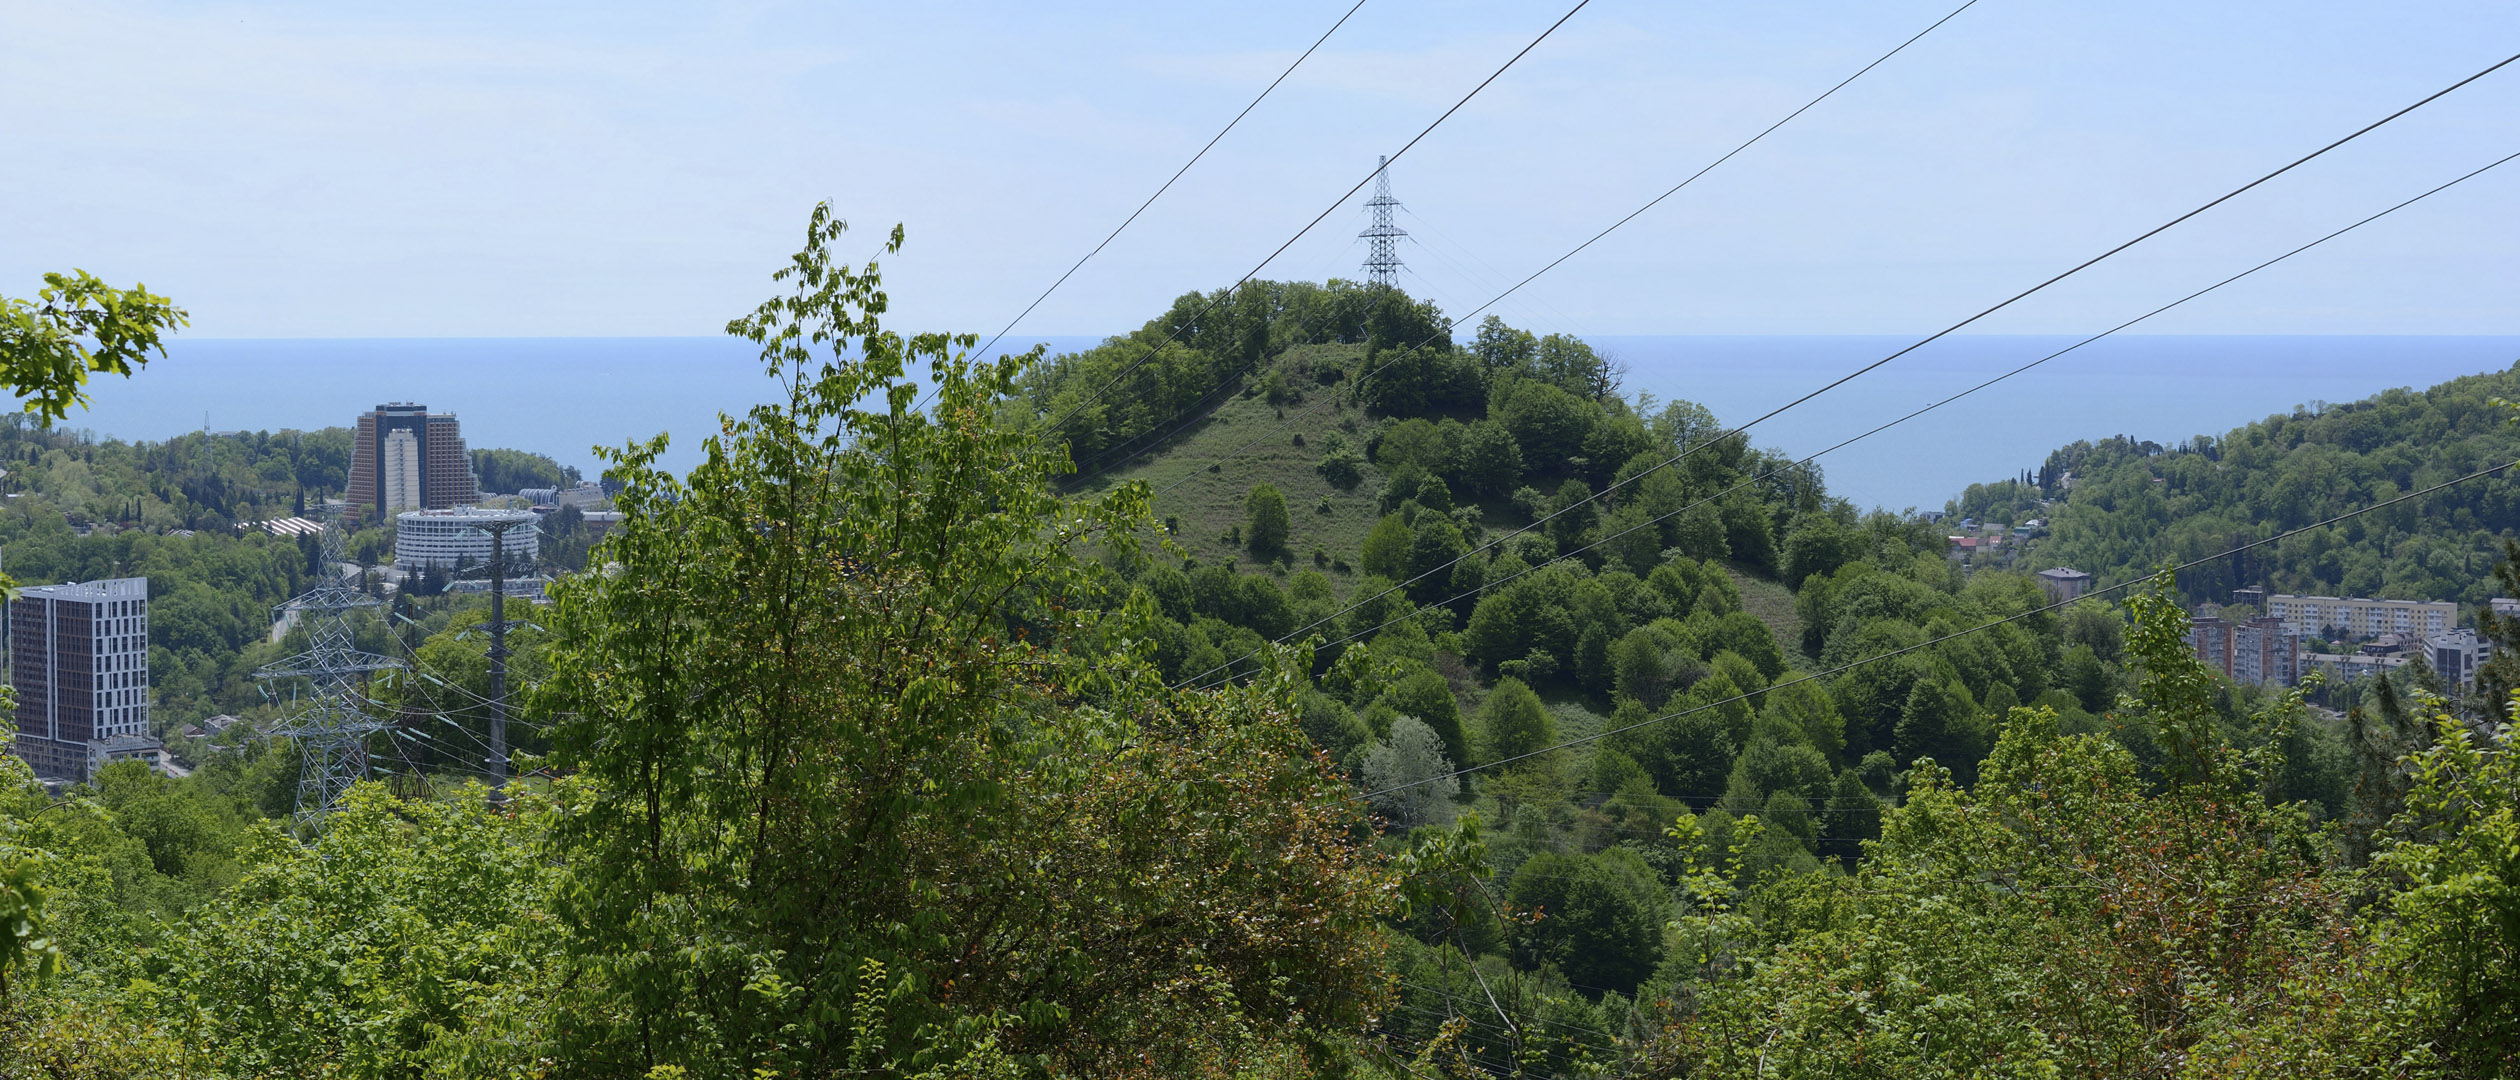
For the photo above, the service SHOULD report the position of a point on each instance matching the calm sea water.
(562, 396)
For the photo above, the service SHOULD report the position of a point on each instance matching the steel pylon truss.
(329, 723)
(1382, 239)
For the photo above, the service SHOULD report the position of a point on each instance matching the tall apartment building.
(408, 458)
(79, 658)
(2262, 651)
(2361, 618)
(2456, 654)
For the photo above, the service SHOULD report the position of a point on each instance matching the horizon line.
(2515, 333)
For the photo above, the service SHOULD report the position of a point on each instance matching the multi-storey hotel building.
(408, 458)
(448, 539)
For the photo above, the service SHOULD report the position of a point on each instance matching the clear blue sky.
(492, 169)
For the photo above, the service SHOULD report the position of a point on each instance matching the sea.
(566, 396)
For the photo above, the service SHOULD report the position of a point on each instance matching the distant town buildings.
(1988, 544)
(582, 495)
(2347, 667)
(2064, 583)
(2386, 645)
(2356, 617)
(452, 538)
(2261, 651)
(79, 660)
(405, 457)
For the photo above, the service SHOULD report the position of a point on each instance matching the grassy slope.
(1208, 504)
(1773, 603)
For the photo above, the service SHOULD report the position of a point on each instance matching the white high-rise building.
(398, 464)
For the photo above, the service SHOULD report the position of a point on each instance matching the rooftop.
(291, 526)
(469, 513)
(123, 588)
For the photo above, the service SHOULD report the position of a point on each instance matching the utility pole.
(498, 655)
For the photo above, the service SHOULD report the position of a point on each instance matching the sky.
(464, 169)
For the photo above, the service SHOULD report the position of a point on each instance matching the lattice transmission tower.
(329, 720)
(1382, 239)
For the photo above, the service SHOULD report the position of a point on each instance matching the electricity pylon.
(330, 724)
(1382, 250)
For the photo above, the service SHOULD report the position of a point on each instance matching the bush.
(1342, 468)
(1269, 525)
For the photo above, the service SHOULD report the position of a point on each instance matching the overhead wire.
(1167, 186)
(464, 694)
(1878, 429)
(1614, 226)
(1739, 430)
(1932, 642)
(1449, 999)
(1218, 297)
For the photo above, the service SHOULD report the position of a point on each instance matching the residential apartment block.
(2262, 651)
(2456, 654)
(2360, 618)
(79, 658)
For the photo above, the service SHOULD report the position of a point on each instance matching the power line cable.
(1616, 225)
(1896, 653)
(1773, 472)
(1121, 453)
(1449, 999)
(1396, 155)
(1167, 186)
(1938, 335)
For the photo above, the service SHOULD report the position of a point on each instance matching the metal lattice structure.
(1382, 239)
(329, 723)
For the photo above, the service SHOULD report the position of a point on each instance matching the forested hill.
(1654, 789)
(2129, 507)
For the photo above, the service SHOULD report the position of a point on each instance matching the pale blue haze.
(288, 168)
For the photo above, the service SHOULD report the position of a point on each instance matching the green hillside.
(1409, 510)
(877, 747)
(2121, 508)
(1252, 439)
(1699, 594)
